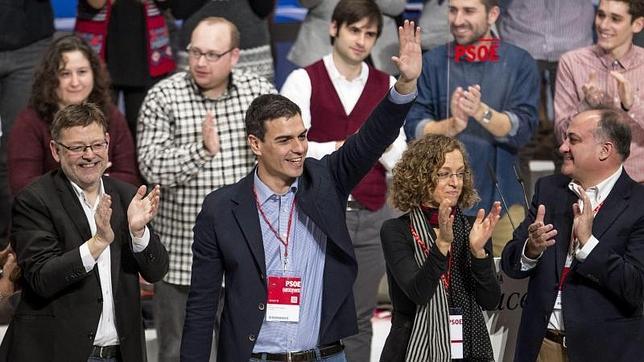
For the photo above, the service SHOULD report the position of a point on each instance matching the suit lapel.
(613, 206)
(246, 215)
(117, 225)
(72, 206)
(564, 228)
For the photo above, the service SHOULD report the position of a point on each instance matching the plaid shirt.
(171, 154)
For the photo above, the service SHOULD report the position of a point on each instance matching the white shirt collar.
(334, 73)
(80, 193)
(599, 192)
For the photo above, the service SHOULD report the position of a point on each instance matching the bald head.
(213, 52)
(220, 24)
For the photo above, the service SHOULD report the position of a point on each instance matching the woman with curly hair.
(439, 263)
(70, 73)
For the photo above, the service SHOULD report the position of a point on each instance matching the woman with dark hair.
(70, 73)
(439, 263)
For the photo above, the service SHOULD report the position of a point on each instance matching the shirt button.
(260, 306)
(251, 338)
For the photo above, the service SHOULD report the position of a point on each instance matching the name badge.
(456, 332)
(284, 299)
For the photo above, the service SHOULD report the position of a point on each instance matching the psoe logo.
(487, 50)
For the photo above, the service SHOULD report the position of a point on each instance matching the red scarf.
(431, 214)
(93, 29)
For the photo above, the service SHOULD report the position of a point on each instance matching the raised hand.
(142, 209)
(445, 234)
(624, 89)
(210, 134)
(582, 224)
(482, 229)
(540, 236)
(410, 58)
(593, 95)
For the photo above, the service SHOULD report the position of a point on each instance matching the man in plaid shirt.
(191, 141)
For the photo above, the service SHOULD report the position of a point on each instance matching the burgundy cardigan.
(29, 155)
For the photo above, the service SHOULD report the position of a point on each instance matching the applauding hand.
(142, 209)
(482, 229)
(445, 234)
(540, 236)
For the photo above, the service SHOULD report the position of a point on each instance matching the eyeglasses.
(80, 149)
(442, 176)
(211, 56)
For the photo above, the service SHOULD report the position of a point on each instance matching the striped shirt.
(575, 68)
(171, 154)
(306, 253)
(548, 28)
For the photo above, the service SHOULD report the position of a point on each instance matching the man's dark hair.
(489, 4)
(635, 8)
(77, 115)
(265, 108)
(613, 126)
(352, 11)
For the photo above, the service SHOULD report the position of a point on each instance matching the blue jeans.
(338, 357)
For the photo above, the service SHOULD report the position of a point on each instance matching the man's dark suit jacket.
(228, 240)
(58, 314)
(603, 296)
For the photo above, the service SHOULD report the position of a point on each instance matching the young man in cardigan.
(336, 95)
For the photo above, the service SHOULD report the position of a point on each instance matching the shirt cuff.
(419, 132)
(398, 98)
(528, 263)
(139, 244)
(86, 257)
(514, 127)
(394, 153)
(583, 253)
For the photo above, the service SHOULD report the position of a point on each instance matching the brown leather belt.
(302, 356)
(556, 336)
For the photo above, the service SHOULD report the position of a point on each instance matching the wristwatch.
(487, 116)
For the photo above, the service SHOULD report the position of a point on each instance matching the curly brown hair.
(415, 175)
(43, 92)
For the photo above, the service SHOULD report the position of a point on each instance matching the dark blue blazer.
(603, 296)
(228, 241)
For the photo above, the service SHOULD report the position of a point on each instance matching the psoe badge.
(486, 50)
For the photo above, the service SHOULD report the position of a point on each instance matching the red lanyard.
(573, 244)
(445, 277)
(270, 226)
